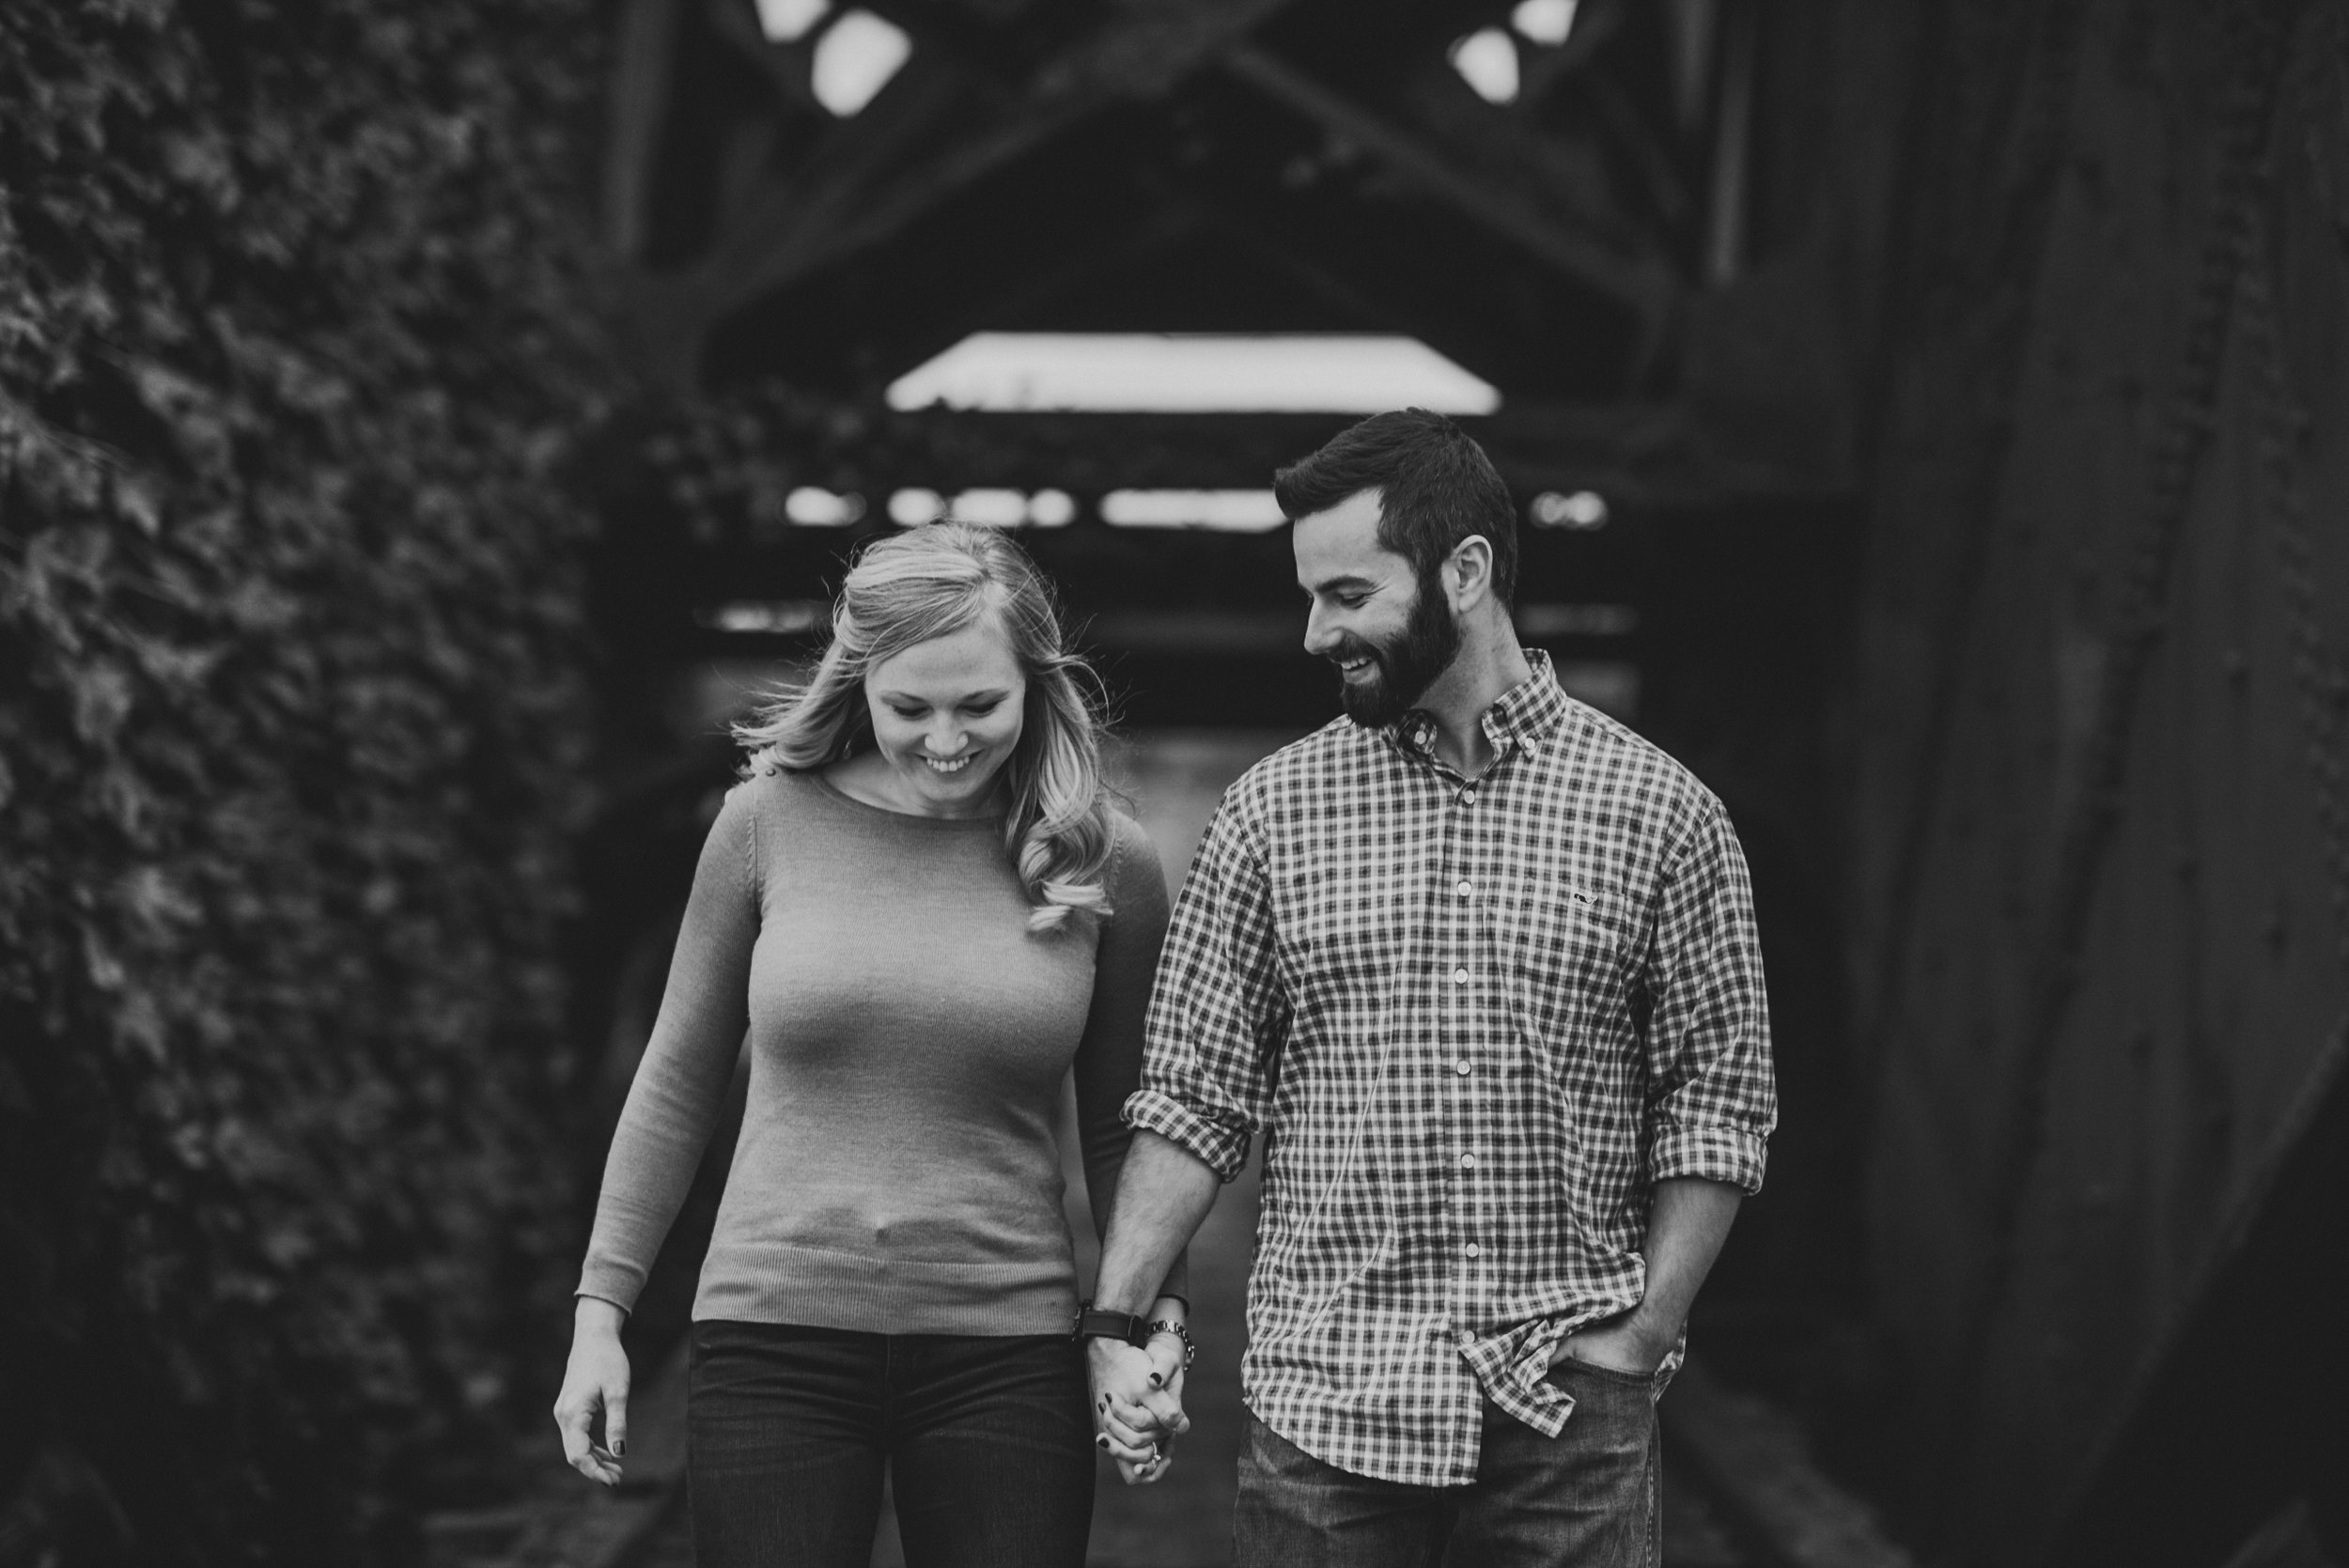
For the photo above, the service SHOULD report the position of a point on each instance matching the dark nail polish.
(619, 1448)
(1102, 1440)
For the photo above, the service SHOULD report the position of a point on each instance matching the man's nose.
(1321, 636)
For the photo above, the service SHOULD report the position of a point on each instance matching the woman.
(921, 909)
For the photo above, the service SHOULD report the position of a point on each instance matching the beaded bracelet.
(1167, 1325)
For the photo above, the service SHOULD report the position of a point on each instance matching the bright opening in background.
(1487, 62)
(787, 21)
(1548, 22)
(1225, 511)
(911, 507)
(811, 507)
(1192, 373)
(854, 60)
(1583, 511)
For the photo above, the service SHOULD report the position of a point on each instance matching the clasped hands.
(1137, 1404)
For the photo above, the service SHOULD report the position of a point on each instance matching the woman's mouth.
(949, 764)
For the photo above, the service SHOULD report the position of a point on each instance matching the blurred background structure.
(421, 426)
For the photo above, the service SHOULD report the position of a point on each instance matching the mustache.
(1349, 648)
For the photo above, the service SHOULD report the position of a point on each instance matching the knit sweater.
(907, 1036)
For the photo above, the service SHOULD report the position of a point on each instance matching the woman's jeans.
(988, 1443)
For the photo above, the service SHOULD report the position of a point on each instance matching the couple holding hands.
(1475, 961)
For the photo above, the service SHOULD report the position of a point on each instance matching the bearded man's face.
(1388, 628)
(1383, 677)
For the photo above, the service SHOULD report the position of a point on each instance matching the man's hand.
(1137, 1404)
(1688, 1221)
(1619, 1344)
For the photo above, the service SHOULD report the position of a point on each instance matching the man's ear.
(1469, 571)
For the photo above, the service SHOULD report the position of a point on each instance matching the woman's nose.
(945, 740)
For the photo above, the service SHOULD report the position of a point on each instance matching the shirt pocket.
(1566, 951)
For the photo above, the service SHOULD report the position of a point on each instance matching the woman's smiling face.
(947, 715)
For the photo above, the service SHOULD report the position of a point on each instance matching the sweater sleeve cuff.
(1715, 1152)
(1222, 1148)
(609, 1282)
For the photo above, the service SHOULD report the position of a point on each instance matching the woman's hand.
(1137, 1405)
(595, 1381)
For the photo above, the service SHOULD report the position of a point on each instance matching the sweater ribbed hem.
(820, 1289)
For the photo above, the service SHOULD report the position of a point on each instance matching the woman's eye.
(906, 712)
(981, 709)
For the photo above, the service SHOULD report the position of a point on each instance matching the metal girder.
(879, 173)
(1563, 178)
(848, 199)
(1645, 284)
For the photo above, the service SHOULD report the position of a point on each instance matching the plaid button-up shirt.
(1476, 1021)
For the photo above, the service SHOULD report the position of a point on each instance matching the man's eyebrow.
(1328, 584)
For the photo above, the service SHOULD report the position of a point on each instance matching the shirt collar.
(1526, 712)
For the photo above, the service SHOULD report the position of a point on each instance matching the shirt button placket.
(1455, 936)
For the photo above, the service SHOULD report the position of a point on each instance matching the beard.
(1404, 666)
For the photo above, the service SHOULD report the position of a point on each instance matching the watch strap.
(1096, 1323)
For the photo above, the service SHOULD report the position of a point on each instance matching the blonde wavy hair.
(932, 582)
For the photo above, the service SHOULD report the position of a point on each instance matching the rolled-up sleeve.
(1712, 1098)
(1216, 1013)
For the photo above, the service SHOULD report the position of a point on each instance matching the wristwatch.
(1096, 1323)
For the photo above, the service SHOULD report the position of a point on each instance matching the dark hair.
(1436, 487)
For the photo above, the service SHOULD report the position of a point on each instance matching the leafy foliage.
(293, 335)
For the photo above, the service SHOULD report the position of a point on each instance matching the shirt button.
(1467, 1162)
(1465, 888)
(1461, 1066)
(1468, 797)
(1475, 1250)
(1459, 977)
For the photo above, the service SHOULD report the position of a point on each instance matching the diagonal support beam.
(1645, 284)
(1562, 178)
(816, 220)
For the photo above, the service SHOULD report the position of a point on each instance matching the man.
(1479, 963)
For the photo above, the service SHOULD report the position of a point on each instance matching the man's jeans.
(1586, 1499)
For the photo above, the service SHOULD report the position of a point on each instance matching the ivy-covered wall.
(294, 337)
